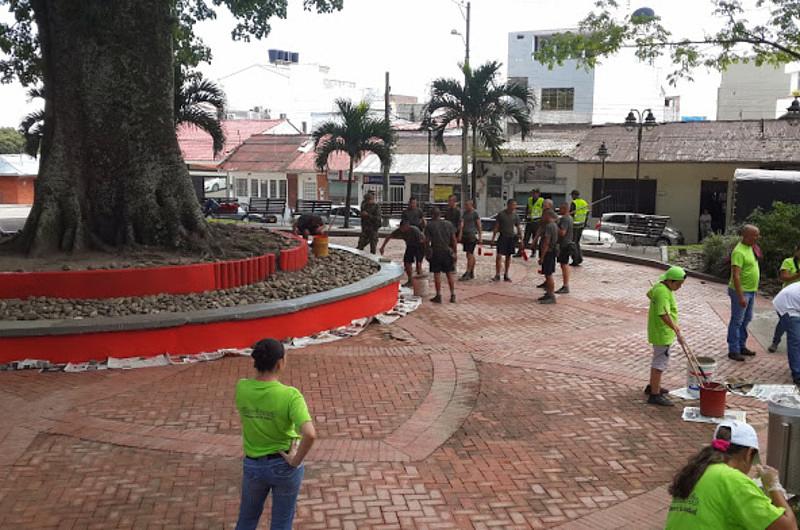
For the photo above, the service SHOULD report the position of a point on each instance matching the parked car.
(619, 221)
(13, 217)
(214, 184)
(224, 209)
(588, 236)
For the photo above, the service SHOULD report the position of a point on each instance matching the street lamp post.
(639, 120)
(466, 13)
(602, 154)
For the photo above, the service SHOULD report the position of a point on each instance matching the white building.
(572, 94)
(294, 91)
(750, 92)
(793, 71)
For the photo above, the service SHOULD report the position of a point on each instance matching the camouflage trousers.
(368, 237)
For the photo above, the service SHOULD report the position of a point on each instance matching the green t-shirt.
(788, 265)
(662, 302)
(272, 414)
(745, 258)
(723, 498)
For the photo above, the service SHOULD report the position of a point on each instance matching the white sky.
(411, 39)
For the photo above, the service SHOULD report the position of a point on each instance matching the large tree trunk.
(111, 173)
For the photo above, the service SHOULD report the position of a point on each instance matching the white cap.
(741, 433)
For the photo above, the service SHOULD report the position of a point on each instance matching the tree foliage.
(606, 30)
(11, 141)
(20, 54)
(780, 233)
(483, 106)
(201, 103)
(356, 133)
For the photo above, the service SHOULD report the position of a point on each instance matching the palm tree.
(198, 102)
(481, 107)
(201, 103)
(356, 133)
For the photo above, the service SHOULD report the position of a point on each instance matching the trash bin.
(783, 448)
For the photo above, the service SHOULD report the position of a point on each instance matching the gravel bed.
(322, 274)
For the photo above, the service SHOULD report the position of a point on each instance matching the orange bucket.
(712, 399)
(320, 246)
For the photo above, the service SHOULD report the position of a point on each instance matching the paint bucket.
(320, 246)
(420, 284)
(712, 399)
(693, 380)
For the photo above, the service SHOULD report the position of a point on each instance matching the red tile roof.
(266, 153)
(306, 162)
(196, 144)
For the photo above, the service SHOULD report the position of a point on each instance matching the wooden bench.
(265, 210)
(648, 229)
(392, 210)
(314, 207)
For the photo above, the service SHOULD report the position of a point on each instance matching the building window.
(558, 98)
(396, 193)
(420, 192)
(309, 190)
(521, 82)
(282, 184)
(273, 188)
(241, 187)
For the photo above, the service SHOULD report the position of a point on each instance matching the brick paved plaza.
(493, 412)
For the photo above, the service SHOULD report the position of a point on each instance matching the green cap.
(673, 273)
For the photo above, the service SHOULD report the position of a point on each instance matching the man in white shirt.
(787, 304)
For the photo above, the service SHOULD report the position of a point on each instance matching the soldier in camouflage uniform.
(370, 223)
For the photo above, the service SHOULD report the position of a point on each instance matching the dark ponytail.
(685, 480)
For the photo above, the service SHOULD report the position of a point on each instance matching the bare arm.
(386, 240)
(297, 454)
(668, 321)
(480, 229)
(787, 276)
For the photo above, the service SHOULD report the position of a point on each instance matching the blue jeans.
(792, 326)
(740, 319)
(259, 477)
(780, 329)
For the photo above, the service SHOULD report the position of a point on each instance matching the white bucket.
(693, 380)
(420, 284)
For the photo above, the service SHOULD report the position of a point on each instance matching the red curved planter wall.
(197, 338)
(178, 279)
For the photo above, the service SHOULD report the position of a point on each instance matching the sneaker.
(563, 290)
(472, 275)
(772, 348)
(408, 284)
(736, 357)
(660, 400)
(542, 285)
(749, 353)
(663, 390)
(547, 300)
(437, 299)
(496, 278)
(464, 277)
(452, 299)
(506, 279)
(578, 265)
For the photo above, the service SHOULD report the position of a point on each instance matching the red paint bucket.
(712, 400)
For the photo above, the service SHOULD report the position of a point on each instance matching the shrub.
(780, 234)
(717, 250)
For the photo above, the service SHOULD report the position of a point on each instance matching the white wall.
(622, 83)
(749, 92)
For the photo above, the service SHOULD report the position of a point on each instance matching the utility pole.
(386, 167)
(464, 124)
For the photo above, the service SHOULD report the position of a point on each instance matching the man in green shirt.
(745, 275)
(789, 274)
(274, 419)
(662, 330)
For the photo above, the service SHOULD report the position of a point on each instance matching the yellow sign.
(442, 192)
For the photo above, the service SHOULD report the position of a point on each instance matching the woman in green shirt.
(272, 415)
(713, 491)
(789, 273)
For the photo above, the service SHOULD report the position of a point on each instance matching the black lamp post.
(792, 113)
(602, 154)
(639, 120)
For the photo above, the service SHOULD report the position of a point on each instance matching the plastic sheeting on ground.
(693, 414)
(406, 303)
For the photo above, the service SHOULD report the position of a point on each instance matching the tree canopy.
(20, 51)
(11, 141)
(741, 37)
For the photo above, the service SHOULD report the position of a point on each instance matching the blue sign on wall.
(394, 180)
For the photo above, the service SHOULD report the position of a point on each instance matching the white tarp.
(766, 175)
